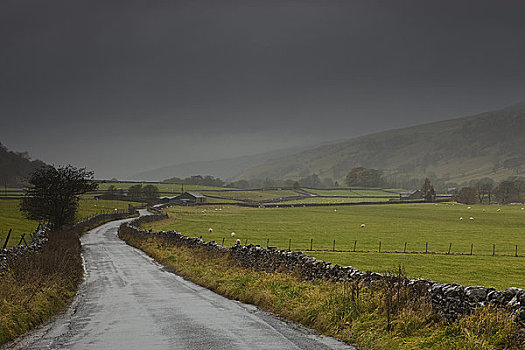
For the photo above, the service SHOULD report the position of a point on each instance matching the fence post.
(290, 244)
(311, 244)
(516, 250)
(449, 247)
(405, 249)
(7, 239)
(246, 241)
(267, 242)
(379, 246)
(355, 244)
(426, 247)
(493, 249)
(471, 248)
(333, 247)
(222, 241)
(22, 239)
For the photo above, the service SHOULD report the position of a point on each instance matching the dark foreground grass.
(37, 286)
(370, 318)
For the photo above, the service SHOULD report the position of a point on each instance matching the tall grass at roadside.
(38, 285)
(382, 317)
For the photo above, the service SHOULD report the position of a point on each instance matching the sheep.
(469, 207)
(471, 218)
(210, 230)
(335, 209)
(233, 234)
(522, 208)
(238, 241)
(363, 225)
(498, 209)
(461, 218)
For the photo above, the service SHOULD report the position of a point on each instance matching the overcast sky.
(125, 86)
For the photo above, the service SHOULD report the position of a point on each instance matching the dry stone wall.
(451, 300)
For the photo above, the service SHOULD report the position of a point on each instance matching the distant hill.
(490, 144)
(14, 166)
(225, 169)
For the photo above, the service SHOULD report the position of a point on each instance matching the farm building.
(411, 195)
(192, 197)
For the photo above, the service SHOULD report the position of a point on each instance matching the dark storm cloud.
(81, 80)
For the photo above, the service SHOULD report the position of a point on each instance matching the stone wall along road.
(128, 301)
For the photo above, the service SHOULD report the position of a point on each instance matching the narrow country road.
(128, 301)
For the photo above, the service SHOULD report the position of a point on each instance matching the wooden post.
(449, 247)
(355, 244)
(426, 247)
(379, 246)
(493, 249)
(333, 247)
(311, 244)
(290, 244)
(21, 239)
(267, 242)
(405, 249)
(246, 241)
(516, 251)
(7, 239)
(222, 241)
(471, 248)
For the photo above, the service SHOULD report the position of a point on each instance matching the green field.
(12, 218)
(354, 193)
(392, 225)
(334, 200)
(163, 187)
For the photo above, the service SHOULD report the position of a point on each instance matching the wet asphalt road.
(128, 301)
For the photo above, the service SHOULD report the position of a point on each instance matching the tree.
(150, 193)
(507, 192)
(484, 187)
(135, 192)
(427, 190)
(467, 195)
(52, 194)
(364, 177)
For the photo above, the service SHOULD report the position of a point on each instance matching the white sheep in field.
(335, 209)
(363, 225)
(498, 209)
(210, 230)
(469, 207)
(522, 208)
(233, 234)
(471, 218)
(461, 218)
(238, 241)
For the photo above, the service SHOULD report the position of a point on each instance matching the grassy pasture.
(260, 195)
(12, 218)
(353, 193)
(163, 187)
(393, 225)
(332, 200)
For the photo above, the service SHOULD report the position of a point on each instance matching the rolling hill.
(490, 144)
(14, 166)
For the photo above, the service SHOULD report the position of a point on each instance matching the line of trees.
(487, 191)
(137, 193)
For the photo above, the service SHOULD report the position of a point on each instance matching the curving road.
(128, 301)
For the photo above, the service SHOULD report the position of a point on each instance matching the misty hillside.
(489, 144)
(14, 166)
(225, 169)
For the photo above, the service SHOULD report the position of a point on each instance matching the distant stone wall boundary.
(451, 300)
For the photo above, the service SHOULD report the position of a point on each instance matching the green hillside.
(489, 144)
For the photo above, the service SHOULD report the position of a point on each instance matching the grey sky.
(125, 86)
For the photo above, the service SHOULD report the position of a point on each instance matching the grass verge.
(37, 286)
(373, 318)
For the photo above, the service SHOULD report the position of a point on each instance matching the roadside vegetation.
(374, 318)
(12, 218)
(434, 228)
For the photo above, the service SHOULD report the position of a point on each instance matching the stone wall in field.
(451, 300)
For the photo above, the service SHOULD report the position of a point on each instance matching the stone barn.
(192, 197)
